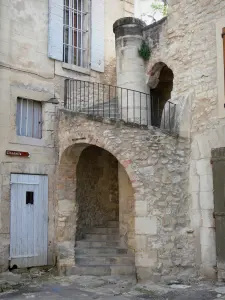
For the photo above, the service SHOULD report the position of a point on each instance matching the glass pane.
(66, 2)
(30, 120)
(65, 54)
(37, 131)
(79, 21)
(18, 116)
(23, 124)
(79, 5)
(66, 35)
(66, 16)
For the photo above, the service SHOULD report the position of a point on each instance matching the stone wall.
(189, 42)
(157, 166)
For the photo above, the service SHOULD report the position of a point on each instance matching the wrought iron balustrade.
(116, 103)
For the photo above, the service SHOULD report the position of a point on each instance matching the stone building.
(42, 43)
(131, 157)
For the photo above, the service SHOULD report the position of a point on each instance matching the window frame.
(76, 37)
(36, 123)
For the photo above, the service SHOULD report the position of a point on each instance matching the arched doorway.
(97, 192)
(161, 86)
(96, 212)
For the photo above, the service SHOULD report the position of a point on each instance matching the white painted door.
(29, 220)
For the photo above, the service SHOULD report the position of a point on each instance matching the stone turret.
(130, 69)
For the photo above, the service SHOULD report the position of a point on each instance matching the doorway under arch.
(96, 211)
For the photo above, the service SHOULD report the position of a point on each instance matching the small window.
(29, 118)
(75, 33)
(29, 197)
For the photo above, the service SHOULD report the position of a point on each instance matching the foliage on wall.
(144, 51)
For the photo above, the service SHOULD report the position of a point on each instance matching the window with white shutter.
(29, 118)
(55, 30)
(76, 32)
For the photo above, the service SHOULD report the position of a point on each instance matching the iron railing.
(118, 104)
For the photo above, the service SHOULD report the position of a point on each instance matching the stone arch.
(82, 141)
(161, 86)
(68, 192)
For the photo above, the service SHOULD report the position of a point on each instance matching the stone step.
(97, 244)
(101, 250)
(104, 260)
(100, 270)
(101, 237)
(104, 230)
(113, 224)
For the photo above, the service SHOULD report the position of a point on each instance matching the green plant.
(144, 51)
(160, 6)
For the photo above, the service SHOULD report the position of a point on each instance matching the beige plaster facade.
(27, 72)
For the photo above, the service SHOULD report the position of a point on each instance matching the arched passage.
(97, 192)
(94, 192)
(161, 86)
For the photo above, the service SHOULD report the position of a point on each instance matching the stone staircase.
(100, 253)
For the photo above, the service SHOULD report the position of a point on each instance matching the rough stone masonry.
(157, 166)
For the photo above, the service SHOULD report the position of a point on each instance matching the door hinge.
(222, 35)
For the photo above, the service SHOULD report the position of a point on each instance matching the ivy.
(144, 51)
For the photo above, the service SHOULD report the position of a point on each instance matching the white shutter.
(55, 28)
(97, 35)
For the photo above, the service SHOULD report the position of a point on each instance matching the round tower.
(133, 98)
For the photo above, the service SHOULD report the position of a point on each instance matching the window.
(75, 33)
(29, 118)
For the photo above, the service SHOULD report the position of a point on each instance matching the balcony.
(133, 108)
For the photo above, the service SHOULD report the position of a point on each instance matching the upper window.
(75, 33)
(29, 118)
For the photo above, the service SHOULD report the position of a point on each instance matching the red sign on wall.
(17, 153)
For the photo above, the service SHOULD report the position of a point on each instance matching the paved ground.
(48, 287)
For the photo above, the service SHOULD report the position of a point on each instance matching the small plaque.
(17, 153)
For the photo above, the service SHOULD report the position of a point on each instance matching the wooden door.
(29, 220)
(218, 162)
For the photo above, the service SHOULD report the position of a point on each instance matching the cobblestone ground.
(44, 285)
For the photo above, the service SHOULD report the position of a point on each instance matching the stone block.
(195, 218)
(195, 200)
(194, 183)
(206, 200)
(207, 237)
(206, 183)
(141, 208)
(207, 218)
(204, 167)
(148, 259)
(141, 242)
(146, 225)
(66, 207)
